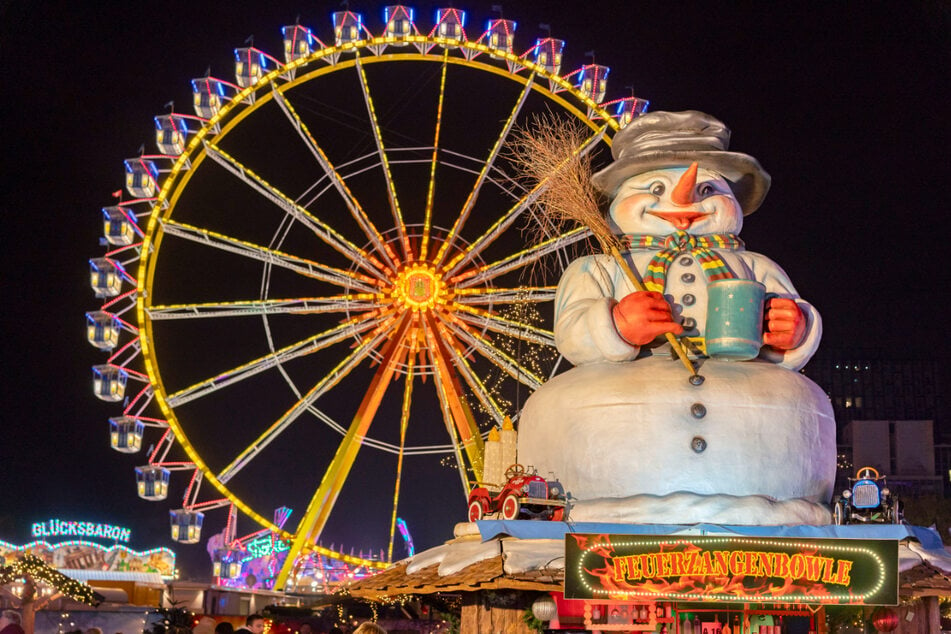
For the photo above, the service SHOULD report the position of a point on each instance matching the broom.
(548, 155)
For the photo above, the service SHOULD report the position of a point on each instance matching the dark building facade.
(873, 396)
(865, 386)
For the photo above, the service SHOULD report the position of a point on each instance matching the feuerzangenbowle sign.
(727, 568)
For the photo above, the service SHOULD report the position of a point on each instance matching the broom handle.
(638, 285)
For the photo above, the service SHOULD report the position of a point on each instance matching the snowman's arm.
(778, 283)
(584, 326)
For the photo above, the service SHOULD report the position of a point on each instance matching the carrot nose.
(683, 192)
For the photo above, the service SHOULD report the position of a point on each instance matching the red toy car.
(524, 494)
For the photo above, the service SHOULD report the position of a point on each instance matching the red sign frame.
(726, 568)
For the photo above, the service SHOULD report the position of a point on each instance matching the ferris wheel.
(331, 273)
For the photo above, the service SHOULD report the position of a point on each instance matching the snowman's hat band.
(668, 139)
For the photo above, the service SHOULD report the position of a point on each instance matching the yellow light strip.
(510, 327)
(321, 229)
(486, 167)
(500, 296)
(404, 421)
(427, 221)
(307, 346)
(332, 378)
(356, 210)
(509, 216)
(305, 267)
(518, 260)
(297, 305)
(384, 159)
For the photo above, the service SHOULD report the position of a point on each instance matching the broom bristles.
(548, 155)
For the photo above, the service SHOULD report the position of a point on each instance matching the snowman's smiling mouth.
(680, 219)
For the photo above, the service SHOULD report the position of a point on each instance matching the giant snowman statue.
(630, 434)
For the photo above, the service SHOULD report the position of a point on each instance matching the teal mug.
(734, 328)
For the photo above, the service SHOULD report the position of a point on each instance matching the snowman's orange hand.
(785, 324)
(642, 316)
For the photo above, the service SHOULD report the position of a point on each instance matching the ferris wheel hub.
(419, 287)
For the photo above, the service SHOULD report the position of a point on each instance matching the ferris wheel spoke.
(308, 268)
(521, 258)
(321, 505)
(322, 230)
(460, 422)
(293, 306)
(356, 210)
(506, 220)
(482, 393)
(404, 423)
(520, 295)
(427, 220)
(510, 327)
(310, 345)
(478, 388)
(381, 335)
(384, 161)
(484, 172)
(501, 359)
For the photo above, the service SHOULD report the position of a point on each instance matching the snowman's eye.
(705, 190)
(657, 188)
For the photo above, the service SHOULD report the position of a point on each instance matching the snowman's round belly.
(615, 430)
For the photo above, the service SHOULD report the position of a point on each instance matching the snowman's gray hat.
(668, 139)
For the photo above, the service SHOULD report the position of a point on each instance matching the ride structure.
(321, 228)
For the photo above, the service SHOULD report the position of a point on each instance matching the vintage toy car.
(526, 494)
(868, 500)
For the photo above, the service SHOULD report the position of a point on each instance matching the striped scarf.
(713, 266)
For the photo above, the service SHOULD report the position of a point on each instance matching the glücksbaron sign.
(65, 528)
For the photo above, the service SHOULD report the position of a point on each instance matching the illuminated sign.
(727, 568)
(60, 528)
(264, 546)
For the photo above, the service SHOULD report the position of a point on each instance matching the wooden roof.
(487, 574)
(924, 580)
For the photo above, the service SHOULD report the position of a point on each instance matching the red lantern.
(885, 619)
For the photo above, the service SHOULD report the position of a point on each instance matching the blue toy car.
(867, 500)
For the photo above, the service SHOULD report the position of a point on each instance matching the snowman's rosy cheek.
(632, 205)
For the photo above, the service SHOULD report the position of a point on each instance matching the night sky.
(844, 104)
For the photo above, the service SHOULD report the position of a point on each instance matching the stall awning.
(113, 575)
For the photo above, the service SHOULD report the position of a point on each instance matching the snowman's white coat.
(584, 327)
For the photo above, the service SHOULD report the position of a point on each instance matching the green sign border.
(870, 565)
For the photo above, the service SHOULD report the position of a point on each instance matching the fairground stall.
(699, 579)
(76, 574)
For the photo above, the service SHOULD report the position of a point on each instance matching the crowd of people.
(254, 624)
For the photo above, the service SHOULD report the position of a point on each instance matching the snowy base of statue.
(625, 439)
(694, 508)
